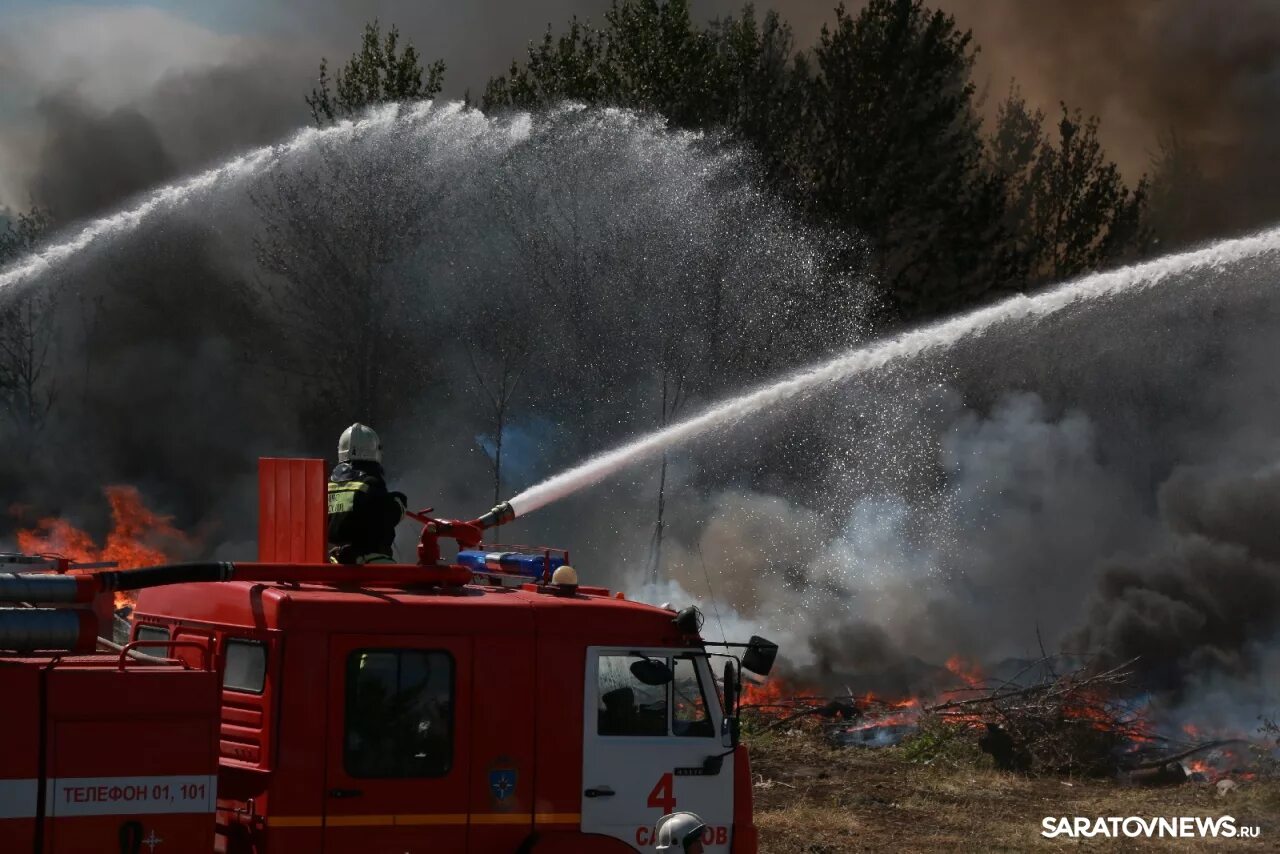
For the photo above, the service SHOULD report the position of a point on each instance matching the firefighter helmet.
(678, 831)
(359, 442)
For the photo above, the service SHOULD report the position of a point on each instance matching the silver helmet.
(359, 442)
(673, 832)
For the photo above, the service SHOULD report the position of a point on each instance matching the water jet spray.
(870, 357)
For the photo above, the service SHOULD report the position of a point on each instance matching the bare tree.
(332, 236)
(498, 367)
(27, 388)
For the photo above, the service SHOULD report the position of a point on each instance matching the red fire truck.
(490, 703)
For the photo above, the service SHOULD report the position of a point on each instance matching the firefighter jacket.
(363, 514)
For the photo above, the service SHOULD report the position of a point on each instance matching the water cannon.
(468, 535)
(499, 515)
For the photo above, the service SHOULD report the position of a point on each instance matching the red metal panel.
(503, 742)
(20, 748)
(266, 510)
(298, 490)
(283, 510)
(291, 511)
(365, 814)
(141, 766)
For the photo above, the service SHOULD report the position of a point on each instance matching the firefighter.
(363, 514)
(679, 833)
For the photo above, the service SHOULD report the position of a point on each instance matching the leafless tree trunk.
(509, 357)
(330, 237)
(26, 346)
(673, 374)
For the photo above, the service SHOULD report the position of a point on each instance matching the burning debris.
(1074, 723)
(1055, 716)
(138, 537)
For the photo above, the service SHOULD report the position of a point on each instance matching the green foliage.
(876, 131)
(761, 96)
(894, 151)
(1179, 194)
(648, 56)
(1074, 212)
(1067, 209)
(738, 73)
(1266, 749)
(939, 741)
(375, 74)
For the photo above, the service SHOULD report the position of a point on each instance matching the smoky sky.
(234, 76)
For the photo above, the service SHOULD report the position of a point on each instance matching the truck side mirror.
(731, 727)
(760, 655)
(730, 690)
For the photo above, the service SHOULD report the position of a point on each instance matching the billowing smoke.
(1100, 485)
(106, 102)
(1209, 600)
(90, 162)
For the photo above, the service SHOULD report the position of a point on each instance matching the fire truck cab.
(471, 718)
(483, 705)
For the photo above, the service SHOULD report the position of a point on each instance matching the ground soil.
(817, 799)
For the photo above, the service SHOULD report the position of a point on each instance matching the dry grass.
(816, 799)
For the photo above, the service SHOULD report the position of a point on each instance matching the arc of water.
(239, 168)
(898, 347)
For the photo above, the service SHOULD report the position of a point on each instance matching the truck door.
(397, 760)
(644, 746)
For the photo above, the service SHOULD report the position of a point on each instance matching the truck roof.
(387, 609)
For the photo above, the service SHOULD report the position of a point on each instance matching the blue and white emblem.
(502, 783)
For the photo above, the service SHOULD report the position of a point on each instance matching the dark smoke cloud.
(1104, 483)
(104, 103)
(91, 161)
(1209, 601)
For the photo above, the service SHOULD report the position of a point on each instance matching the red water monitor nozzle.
(467, 534)
(499, 515)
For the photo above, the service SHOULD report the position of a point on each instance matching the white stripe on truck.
(79, 796)
(18, 798)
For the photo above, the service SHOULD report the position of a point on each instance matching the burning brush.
(1049, 718)
(138, 537)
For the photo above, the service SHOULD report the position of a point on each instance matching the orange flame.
(134, 539)
(771, 693)
(968, 671)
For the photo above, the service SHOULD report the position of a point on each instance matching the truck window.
(246, 666)
(689, 715)
(399, 713)
(625, 705)
(152, 633)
